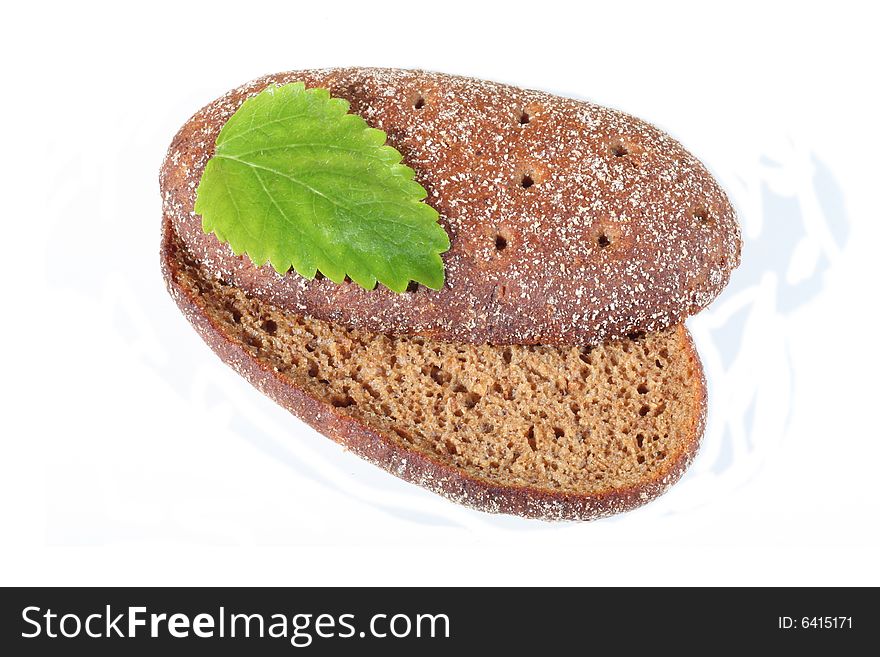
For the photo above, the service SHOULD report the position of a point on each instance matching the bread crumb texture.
(570, 223)
(577, 432)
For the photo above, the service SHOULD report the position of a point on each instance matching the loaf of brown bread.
(552, 432)
(570, 223)
(550, 376)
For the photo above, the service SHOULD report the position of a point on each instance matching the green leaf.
(297, 181)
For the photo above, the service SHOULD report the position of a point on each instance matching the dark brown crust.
(414, 466)
(622, 230)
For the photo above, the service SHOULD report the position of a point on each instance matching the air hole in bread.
(643, 411)
(640, 459)
(635, 336)
(342, 401)
(530, 437)
(270, 326)
(558, 432)
(507, 355)
(640, 440)
(603, 241)
(471, 399)
(440, 377)
(701, 215)
(526, 181)
(236, 316)
(500, 242)
(419, 102)
(642, 389)
(524, 117)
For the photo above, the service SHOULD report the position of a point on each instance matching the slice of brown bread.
(539, 431)
(570, 223)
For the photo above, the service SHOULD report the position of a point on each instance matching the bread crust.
(621, 230)
(414, 466)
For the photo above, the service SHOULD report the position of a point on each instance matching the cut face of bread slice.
(539, 431)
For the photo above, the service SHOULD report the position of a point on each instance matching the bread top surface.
(545, 431)
(570, 223)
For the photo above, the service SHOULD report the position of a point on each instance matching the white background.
(132, 455)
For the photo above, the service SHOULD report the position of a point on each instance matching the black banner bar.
(277, 621)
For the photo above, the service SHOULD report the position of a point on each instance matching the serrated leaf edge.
(398, 169)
